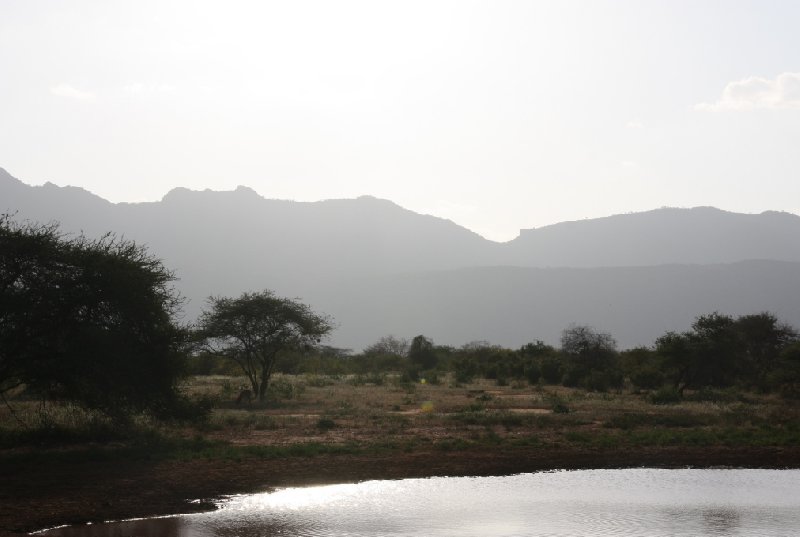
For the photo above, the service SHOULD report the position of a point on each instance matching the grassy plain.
(385, 412)
(353, 413)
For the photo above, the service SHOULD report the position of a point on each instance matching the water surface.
(597, 503)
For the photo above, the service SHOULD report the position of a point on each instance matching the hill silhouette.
(378, 268)
(667, 235)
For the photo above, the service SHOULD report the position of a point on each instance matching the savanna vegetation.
(89, 322)
(90, 347)
(93, 356)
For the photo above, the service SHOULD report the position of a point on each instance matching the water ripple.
(591, 503)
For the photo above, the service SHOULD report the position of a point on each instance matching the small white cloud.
(752, 93)
(634, 124)
(70, 92)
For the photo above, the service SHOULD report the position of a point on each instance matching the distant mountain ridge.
(667, 235)
(363, 234)
(379, 268)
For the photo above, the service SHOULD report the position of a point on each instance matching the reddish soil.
(45, 494)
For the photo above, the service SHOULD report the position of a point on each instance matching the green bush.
(558, 405)
(572, 377)
(647, 378)
(550, 369)
(431, 377)
(681, 420)
(710, 395)
(326, 424)
(283, 389)
(319, 381)
(602, 381)
(665, 396)
(463, 376)
(532, 373)
(184, 409)
(378, 379)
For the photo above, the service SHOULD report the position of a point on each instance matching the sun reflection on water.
(305, 497)
(597, 503)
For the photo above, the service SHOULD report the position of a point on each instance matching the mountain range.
(380, 269)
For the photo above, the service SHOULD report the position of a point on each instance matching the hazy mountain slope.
(668, 235)
(239, 238)
(379, 269)
(368, 235)
(76, 207)
(514, 305)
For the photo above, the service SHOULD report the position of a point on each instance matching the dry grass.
(350, 410)
(385, 411)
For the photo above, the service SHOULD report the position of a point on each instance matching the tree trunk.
(262, 391)
(254, 386)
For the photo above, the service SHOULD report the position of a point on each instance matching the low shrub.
(326, 424)
(319, 381)
(281, 388)
(558, 405)
(648, 379)
(710, 395)
(665, 396)
(682, 420)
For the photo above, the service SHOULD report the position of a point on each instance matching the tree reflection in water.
(720, 521)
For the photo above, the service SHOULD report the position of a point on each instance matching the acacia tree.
(591, 358)
(87, 320)
(586, 342)
(388, 346)
(252, 329)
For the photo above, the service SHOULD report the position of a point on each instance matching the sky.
(497, 115)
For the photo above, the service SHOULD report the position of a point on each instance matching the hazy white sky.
(496, 115)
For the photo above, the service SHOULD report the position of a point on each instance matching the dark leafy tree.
(254, 328)
(550, 369)
(91, 321)
(591, 358)
(643, 367)
(704, 356)
(537, 349)
(679, 357)
(761, 338)
(540, 362)
(27, 254)
(786, 375)
(715, 346)
(422, 353)
(721, 351)
(479, 358)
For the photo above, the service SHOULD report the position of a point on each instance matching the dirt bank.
(35, 495)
